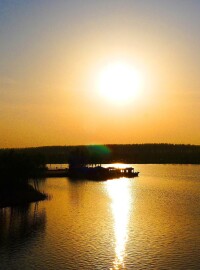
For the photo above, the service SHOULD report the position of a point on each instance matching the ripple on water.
(151, 222)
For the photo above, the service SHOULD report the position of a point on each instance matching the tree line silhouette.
(127, 153)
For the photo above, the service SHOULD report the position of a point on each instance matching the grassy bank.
(20, 196)
(16, 169)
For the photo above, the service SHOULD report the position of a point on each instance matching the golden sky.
(53, 52)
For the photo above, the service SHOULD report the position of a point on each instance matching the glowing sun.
(119, 82)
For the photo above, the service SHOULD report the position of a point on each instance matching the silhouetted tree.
(17, 168)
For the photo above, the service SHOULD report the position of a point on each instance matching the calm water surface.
(149, 222)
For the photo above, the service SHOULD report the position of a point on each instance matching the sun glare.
(119, 82)
(119, 192)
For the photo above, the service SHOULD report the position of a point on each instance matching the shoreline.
(20, 196)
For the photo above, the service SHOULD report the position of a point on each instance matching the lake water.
(149, 222)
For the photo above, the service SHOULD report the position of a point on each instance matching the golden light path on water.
(120, 194)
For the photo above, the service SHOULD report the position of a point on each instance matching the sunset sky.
(63, 65)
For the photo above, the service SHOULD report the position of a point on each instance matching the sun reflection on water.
(119, 192)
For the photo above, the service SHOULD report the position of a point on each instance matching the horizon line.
(97, 144)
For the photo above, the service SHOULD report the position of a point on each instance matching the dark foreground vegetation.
(16, 170)
(20, 196)
(127, 153)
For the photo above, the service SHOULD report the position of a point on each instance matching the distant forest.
(127, 153)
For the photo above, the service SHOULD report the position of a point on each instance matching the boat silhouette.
(92, 172)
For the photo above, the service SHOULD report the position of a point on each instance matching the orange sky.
(52, 53)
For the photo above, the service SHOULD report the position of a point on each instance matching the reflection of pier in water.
(120, 194)
(19, 223)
